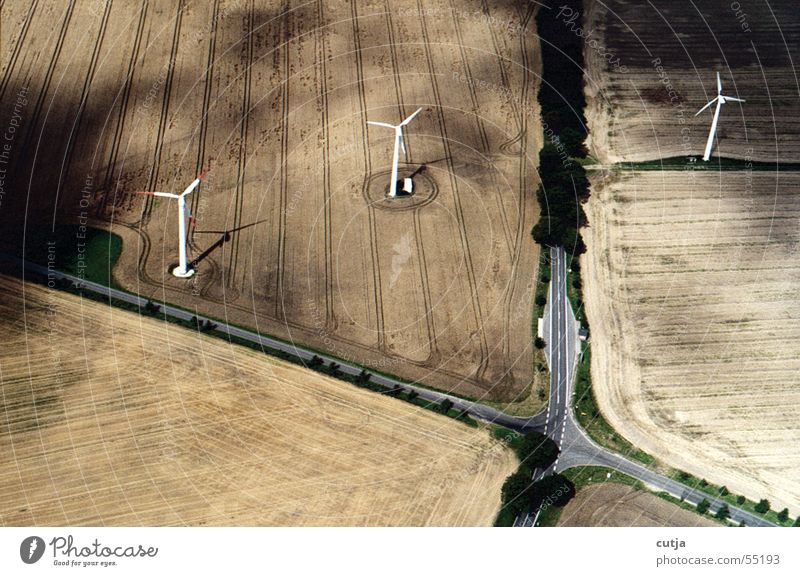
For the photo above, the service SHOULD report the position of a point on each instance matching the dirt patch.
(618, 505)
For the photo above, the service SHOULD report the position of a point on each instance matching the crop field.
(294, 234)
(619, 505)
(651, 66)
(115, 419)
(690, 283)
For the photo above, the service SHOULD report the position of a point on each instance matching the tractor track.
(66, 164)
(165, 101)
(423, 267)
(202, 132)
(457, 200)
(123, 111)
(12, 63)
(322, 68)
(523, 178)
(43, 93)
(284, 168)
(373, 234)
(478, 119)
(244, 125)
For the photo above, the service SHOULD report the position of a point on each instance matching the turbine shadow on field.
(226, 236)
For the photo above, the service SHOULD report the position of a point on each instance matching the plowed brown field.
(618, 505)
(294, 237)
(650, 66)
(691, 292)
(110, 418)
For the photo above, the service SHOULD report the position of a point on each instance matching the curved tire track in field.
(200, 162)
(523, 178)
(435, 355)
(37, 111)
(478, 119)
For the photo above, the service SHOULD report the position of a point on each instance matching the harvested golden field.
(294, 234)
(691, 293)
(110, 418)
(651, 66)
(619, 505)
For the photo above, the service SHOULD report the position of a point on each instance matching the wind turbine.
(398, 143)
(720, 100)
(182, 270)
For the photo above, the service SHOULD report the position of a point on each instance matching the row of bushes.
(763, 506)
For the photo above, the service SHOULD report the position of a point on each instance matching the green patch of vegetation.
(89, 253)
(584, 476)
(574, 288)
(521, 494)
(715, 164)
(591, 419)
(505, 518)
(533, 449)
(542, 286)
(549, 516)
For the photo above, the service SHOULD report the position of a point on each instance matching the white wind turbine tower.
(182, 270)
(720, 100)
(398, 143)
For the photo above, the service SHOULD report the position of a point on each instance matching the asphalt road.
(577, 449)
(557, 422)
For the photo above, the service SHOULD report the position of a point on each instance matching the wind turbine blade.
(410, 118)
(203, 174)
(384, 124)
(732, 99)
(719, 85)
(162, 194)
(706, 106)
(190, 188)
